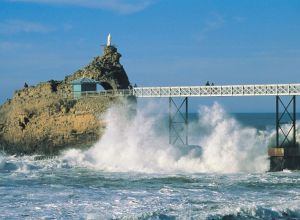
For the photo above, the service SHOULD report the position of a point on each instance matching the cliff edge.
(45, 119)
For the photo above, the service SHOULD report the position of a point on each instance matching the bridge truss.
(285, 122)
(178, 121)
(203, 91)
(228, 90)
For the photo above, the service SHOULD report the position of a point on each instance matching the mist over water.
(140, 144)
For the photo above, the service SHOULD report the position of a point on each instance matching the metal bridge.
(228, 90)
(285, 94)
(202, 91)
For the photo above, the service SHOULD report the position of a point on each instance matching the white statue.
(109, 40)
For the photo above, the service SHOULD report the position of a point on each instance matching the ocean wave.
(60, 190)
(2, 162)
(27, 164)
(134, 144)
(259, 213)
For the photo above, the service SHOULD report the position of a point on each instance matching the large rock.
(106, 69)
(45, 119)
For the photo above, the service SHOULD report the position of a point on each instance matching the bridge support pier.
(286, 153)
(178, 121)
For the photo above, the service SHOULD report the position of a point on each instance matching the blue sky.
(163, 42)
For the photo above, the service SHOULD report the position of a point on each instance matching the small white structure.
(108, 40)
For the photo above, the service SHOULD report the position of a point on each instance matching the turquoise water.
(134, 174)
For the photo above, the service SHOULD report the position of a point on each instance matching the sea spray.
(227, 146)
(134, 144)
(2, 161)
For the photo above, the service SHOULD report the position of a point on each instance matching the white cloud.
(18, 26)
(214, 23)
(239, 19)
(8, 45)
(120, 6)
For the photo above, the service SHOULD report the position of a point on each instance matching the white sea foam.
(136, 144)
(229, 147)
(2, 162)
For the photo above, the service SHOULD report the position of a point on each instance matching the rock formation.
(45, 119)
(106, 69)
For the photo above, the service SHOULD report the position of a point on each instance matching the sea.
(132, 172)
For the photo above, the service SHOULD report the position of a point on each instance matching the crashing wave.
(137, 145)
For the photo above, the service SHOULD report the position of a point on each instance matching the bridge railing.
(198, 91)
(228, 90)
(120, 92)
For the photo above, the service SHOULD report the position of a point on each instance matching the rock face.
(45, 119)
(106, 69)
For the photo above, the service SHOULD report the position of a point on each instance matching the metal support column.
(178, 121)
(277, 121)
(285, 122)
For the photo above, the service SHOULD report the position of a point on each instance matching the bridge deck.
(228, 90)
(205, 91)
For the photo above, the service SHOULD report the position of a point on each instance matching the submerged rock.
(45, 119)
